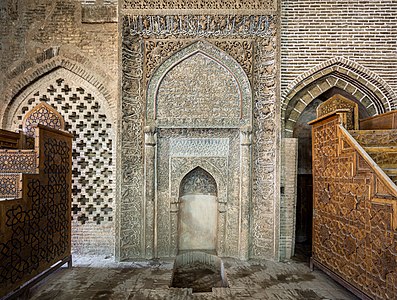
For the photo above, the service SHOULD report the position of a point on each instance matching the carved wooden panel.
(44, 114)
(10, 185)
(11, 140)
(18, 161)
(340, 102)
(354, 227)
(35, 230)
(384, 121)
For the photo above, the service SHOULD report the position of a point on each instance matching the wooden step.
(372, 131)
(390, 172)
(376, 149)
(388, 166)
(375, 137)
(394, 179)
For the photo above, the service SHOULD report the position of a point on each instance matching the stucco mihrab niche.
(164, 51)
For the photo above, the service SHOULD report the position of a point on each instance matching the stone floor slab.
(99, 278)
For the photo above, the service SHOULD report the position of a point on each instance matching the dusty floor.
(97, 278)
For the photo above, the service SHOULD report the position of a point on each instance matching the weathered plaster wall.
(289, 153)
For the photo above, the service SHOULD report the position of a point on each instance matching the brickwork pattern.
(29, 28)
(316, 31)
(93, 157)
(39, 37)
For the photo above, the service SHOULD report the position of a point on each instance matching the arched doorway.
(198, 213)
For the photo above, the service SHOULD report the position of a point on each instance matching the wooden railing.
(385, 121)
(11, 140)
(35, 219)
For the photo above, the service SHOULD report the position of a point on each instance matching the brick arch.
(80, 66)
(367, 87)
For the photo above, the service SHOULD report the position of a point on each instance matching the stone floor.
(98, 278)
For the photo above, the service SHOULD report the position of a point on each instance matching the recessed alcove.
(198, 212)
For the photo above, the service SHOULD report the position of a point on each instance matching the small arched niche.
(198, 213)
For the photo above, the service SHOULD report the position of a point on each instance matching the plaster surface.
(198, 222)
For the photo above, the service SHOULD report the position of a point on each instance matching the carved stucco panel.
(177, 32)
(191, 147)
(217, 161)
(158, 50)
(207, 91)
(199, 98)
(130, 229)
(194, 4)
(265, 147)
(199, 26)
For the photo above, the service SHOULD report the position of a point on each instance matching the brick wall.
(314, 31)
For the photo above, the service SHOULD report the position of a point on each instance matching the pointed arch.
(198, 181)
(363, 84)
(213, 171)
(230, 68)
(87, 115)
(43, 114)
(17, 83)
(49, 78)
